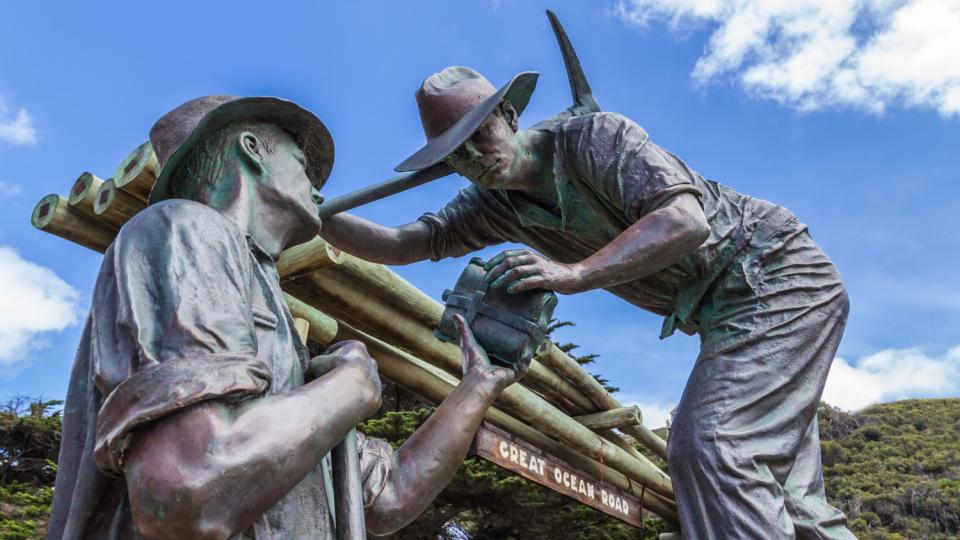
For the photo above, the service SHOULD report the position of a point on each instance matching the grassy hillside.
(894, 468)
(29, 444)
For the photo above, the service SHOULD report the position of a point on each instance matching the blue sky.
(848, 113)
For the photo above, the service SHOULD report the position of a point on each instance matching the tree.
(29, 446)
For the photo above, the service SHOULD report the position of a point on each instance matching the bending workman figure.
(193, 410)
(605, 207)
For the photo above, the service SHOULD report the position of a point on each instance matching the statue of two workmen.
(193, 411)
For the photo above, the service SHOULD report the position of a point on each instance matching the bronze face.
(491, 156)
(286, 183)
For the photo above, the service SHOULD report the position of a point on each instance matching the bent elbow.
(388, 515)
(173, 505)
(689, 229)
(698, 231)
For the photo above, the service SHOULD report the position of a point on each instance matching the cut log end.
(104, 198)
(306, 258)
(84, 189)
(137, 172)
(54, 215)
(113, 206)
(45, 210)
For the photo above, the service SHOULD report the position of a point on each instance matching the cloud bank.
(655, 415)
(33, 302)
(885, 376)
(890, 375)
(811, 54)
(16, 129)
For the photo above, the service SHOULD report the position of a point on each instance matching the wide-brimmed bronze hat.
(454, 102)
(178, 131)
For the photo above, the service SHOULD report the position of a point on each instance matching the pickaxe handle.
(583, 103)
(384, 189)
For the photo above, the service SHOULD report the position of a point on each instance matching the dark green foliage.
(583, 360)
(895, 468)
(29, 447)
(488, 502)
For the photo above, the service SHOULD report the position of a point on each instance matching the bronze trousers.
(744, 448)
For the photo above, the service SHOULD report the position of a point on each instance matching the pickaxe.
(583, 103)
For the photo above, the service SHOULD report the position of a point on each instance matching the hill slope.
(894, 468)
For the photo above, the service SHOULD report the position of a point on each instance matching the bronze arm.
(404, 244)
(431, 456)
(210, 470)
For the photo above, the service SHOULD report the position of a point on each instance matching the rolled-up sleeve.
(616, 157)
(376, 464)
(465, 224)
(181, 294)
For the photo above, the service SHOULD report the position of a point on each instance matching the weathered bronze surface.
(510, 327)
(193, 408)
(518, 95)
(602, 206)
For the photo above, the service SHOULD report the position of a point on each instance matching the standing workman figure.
(605, 207)
(193, 409)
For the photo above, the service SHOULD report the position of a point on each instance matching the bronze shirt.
(608, 175)
(186, 308)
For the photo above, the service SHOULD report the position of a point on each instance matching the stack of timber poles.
(558, 407)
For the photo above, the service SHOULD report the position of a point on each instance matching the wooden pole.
(614, 418)
(348, 489)
(569, 368)
(84, 192)
(648, 438)
(115, 207)
(307, 258)
(434, 385)
(517, 399)
(322, 327)
(392, 289)
(53, 214)
(137, 172)
(347, 300)
(587, 395)
(540, 414)
(620, 441)
(303, 329)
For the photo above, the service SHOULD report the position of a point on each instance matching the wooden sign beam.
(500, 448)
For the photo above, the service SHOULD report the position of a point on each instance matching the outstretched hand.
(521, 270)
(476, 363)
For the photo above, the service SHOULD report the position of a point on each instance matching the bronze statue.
(603, 206)
(193, 410)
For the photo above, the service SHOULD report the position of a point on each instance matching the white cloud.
(881, 377)
(655, 415)
(890, 375)
(17, 129)
(811, 54)
(33, 302)
(9, 190)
